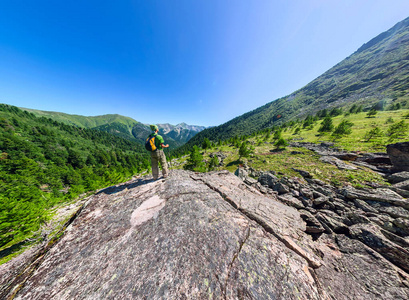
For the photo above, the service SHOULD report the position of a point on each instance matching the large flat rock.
(204, 236)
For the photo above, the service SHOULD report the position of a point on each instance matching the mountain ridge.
(126, 127)
(377, 73)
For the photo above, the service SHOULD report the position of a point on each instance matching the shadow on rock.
(128, 185)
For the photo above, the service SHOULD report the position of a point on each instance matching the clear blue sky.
(202, 62)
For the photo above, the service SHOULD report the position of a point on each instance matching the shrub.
(389, 120)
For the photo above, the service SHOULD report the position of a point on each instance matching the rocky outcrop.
(212, 236)
(376, 217)
(399, 155)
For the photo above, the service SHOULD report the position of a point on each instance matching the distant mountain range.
(376, 75)
(174, 135)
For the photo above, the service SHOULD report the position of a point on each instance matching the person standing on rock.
(157, 154)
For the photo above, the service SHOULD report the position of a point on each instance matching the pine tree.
(244, 150)
(398, 130)
(371, 113)
(195, 161)
(344, 128)
(277, 134)
(214, 163)
(375, 132)
(281, 143)
(326, 125)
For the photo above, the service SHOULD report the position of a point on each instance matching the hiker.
(157, 154)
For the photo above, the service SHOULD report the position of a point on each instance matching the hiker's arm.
(164, 146)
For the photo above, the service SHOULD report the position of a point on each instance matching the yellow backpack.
(150, 143)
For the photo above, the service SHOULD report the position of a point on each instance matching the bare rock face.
(399, 155)
(211, 236)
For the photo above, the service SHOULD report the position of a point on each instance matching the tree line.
(44, 162)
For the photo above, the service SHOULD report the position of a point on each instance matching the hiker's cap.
(154, 127)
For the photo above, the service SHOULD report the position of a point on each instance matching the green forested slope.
(84, 121)
(376, 75)
(119, 125)
(44, 162)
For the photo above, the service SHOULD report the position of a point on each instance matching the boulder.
(320, 200)
(268, 179)
(250, 181)
(346, 156)
(374, 159)
(281, 188)
(241, 173)
(303, 173)
(403, 185)
(307, 193)
(364, 206)
(337, 162)
(290, 200)
(399, 155)
(332, 223)
(312, 224)
(395, 211)
(398, 177)
(356, 218)
(380, 195)
(371, 235)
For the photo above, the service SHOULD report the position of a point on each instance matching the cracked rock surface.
(206, 236)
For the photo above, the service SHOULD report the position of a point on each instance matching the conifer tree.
(281, 143)
(213, 163)
(398, 130)
(195, 161)
(277, 134)
(326, 125)
(375, 132)
(371, 113)
(206, 144)
(344, 128)
(244, 150)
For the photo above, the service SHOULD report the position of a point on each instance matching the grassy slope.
(356, 140)
(284, 161)
(378, 71)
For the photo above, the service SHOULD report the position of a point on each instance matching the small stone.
(290, 201)
(319, 201)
